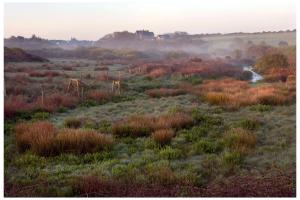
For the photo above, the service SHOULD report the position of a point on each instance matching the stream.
(255, 76)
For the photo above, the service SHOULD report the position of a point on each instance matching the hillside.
(19, 55)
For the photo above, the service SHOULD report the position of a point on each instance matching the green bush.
(261, 108)
(41, 115)
(170, 153)
(205, 119)
(89, 103)
(195, 133)
(97, 157)
(8, 127)
(232, 159)
(250, 124)
(194, 79)
(105, 126)
(207, 146)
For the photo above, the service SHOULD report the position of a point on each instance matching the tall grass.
(99, 95)
(35, 136)
(81, 141)
(143, 125)
(234, 93)
(163, 92)
(163, 136)
(240, 140)
(43, 139)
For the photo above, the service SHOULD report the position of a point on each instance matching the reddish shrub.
(55, 101)
(163, 136)
(99, 95)
(35, 136)
(14, 104)
(81, 141)
(162, 92)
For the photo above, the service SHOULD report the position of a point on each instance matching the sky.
(93, 20)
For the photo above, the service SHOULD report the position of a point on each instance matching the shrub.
(194, 79)
(270, 61)
(250, 124)
(134, 126)
(54, 102)
(41, 115)
(217, 98)
(72, 123)
(207, 146)
(176, 121)
(234, 94)
(137, 126)
(43, 139)
(231, 160)
(261, 108)
(14, 105)
(170, 153)
(163, 136)
(99, 95)
(163, 92)
(195, 133)
(105, 126)
(240, 140)
(162, 175)
(81, 141)
(35, 136)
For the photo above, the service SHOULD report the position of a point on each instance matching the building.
(144, 34)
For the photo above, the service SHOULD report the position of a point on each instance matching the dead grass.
(43, 139)
(163, 136)
(99, 95)
(164, 92)
(142, 125)
(232, 93)
(81, 141)
(35, 136)
(240, 140)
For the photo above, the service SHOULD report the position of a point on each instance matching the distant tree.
(274, 60)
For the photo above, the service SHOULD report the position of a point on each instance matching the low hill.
(19, 55)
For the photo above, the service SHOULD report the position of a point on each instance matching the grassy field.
(186, 143)
(273, 39)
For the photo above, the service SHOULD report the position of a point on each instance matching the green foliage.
(205, 119)
(170, 153)
(97, 157)
(194, 79)
(275, 60)
(8, 127)
(250, 124)
(232, 159)
(89, 103)
(90, 125)
(30, 160)
(175, 109)
(40, 116)
(195, 133)
(207, 146)
(104, 126)
(261, 108)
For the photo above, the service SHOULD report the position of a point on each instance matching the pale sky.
(93, 20)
